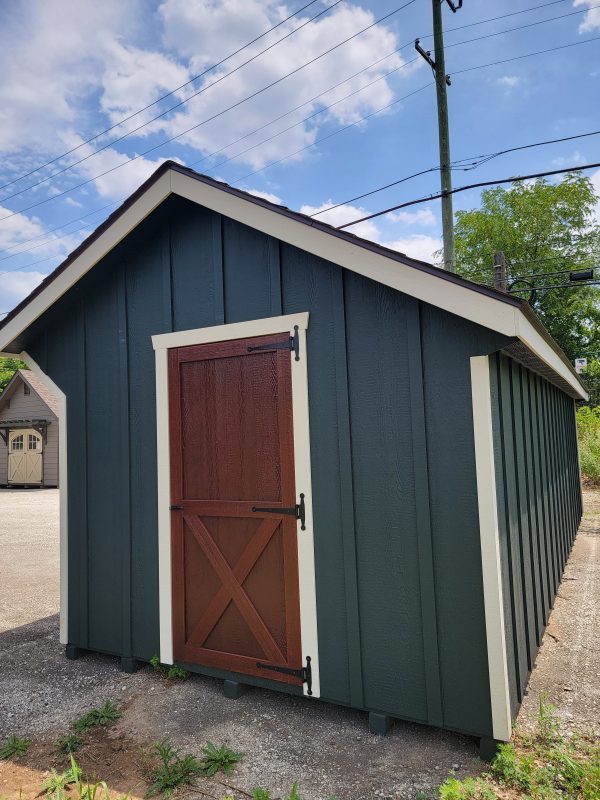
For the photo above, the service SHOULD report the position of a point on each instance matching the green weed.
(513, 769)
(69, 743)
(172, 673)
(293, 795)
(98, 716)
(173, 770)
(260, 794)
(55, 785)
(14, 747)
(547, 723)
(219, 758)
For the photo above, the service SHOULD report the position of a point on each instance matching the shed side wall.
(400, 606)
(539, 504)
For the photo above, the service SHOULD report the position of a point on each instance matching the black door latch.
(298, 511)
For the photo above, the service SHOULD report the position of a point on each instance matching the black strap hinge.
(304, 673)
(175, 508)
(291, 343)
(298, 511)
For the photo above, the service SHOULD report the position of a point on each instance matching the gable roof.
(26, 376)
(480, 304)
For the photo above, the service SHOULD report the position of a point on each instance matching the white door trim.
(306, 560)
(63, 491)
(490, 548)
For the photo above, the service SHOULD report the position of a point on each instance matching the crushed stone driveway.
(327, 749)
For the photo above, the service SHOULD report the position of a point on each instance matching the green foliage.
(172, 673)
(547, 722)
(469, 789)
(55, 785)
(260, 794)
(541, 228)
(8, 367)
(293, 795)
(98, 716)
(219, 758)
(588, 429)
(69, 743)
(14, 747)
(513, 769)
(591, 379)
(173, 770)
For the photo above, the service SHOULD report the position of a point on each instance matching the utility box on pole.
(499, 271)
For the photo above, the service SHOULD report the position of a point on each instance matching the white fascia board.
(456, 299)
(535, 342)
(111, 237)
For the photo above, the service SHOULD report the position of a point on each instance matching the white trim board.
(490, 548)
(482, 309)
(306, 559)
(63, 492)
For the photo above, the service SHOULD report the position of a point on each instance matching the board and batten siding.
(397, 549)
(30, 406)
(539, 504)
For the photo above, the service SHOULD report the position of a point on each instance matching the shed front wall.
(539, 504)
(30, 406)
(398, 561)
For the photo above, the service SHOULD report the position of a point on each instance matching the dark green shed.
(296, 459)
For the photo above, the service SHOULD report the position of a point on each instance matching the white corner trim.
(490, 548)
(302, 468)
(165, 598)
(63, 493)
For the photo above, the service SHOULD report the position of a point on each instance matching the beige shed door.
(25, 457)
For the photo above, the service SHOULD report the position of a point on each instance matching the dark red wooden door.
(235, 570)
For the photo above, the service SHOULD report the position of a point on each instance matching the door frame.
(162, 343)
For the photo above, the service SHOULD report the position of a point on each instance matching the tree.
(8, 367)
(542, 228)
(591, 379)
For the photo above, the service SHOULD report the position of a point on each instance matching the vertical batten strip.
(353, 630)
(423, 515)
(490, 547)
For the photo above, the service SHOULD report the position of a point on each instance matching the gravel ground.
(327, 749)
(568, 663)
(28, 555)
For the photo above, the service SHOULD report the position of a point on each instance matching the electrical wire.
(213, 117)
(162, 114)
(159, 99)
(481, 184)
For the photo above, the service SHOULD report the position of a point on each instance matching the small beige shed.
(28, 433)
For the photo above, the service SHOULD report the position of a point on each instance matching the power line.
(171, 108)
(214, 116)
(479, 185)
(159, 99)
(257, 55)
(221, 62)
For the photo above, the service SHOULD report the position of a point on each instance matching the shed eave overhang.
(479, 304)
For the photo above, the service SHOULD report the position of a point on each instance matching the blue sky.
(71, 70)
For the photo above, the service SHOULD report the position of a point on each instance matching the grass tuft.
(172, 673)
(14, 747)
(98, 716)
(219, 758)
(173, 770)
(67, 744)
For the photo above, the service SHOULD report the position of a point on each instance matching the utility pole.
(499, 271)
(442, 81)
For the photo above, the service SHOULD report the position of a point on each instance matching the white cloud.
(510, 81)
(272, 198)
(200, 31)
(575, 158)
(19, 229)
(423, 216)
(417, 246)
(591, 18)
(17, 285)
(49, 62)
(343, 214)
